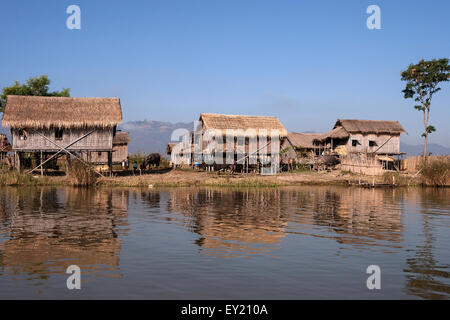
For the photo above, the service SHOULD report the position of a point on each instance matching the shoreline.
(191, 178)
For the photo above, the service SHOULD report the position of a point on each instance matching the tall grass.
(436, 173)
(14, 178)
(81, 175)
(395, 178)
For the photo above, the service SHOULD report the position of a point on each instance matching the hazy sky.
(307, 62)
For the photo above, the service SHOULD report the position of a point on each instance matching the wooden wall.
(390, 147)
(120, 152)
(101, 139)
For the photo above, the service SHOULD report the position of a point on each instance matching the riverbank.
(200, 178)
(186, 178)
(179, 178)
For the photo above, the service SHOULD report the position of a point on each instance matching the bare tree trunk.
(425, 149)
(425, 123)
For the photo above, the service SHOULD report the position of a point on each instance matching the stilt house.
(53, 126)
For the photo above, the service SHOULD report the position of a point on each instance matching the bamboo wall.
(120, 152)
(390, 147)
(100, 139)
(361, 164)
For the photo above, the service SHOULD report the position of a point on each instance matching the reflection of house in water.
(252, 221)
(231, 222)
(50, 229)
(359, 215)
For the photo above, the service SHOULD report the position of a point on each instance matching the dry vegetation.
(436, 173)
(13, 178)
(80, 175)
(189, 177)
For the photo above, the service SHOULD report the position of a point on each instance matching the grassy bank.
(79, 176)
(13, 178)
(186, 178)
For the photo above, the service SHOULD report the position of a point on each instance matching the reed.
(81, 175)
(13, 178)
(395, 178)
(436, 173)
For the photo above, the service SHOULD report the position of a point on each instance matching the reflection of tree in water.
(231, 222)
(425, 275)
(50, 229)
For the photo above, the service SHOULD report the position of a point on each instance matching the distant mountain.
(151, 136)
(416, 150)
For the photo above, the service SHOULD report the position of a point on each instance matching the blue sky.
(307, 62)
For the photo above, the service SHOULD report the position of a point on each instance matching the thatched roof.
(45, 112)
(343, 128)
(121, 137)
(225, 122)
(336, 133)
(302, 140)
(370, 126)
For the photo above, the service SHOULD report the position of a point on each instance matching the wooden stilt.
(18, 162)
(42, 167)
(110, 162)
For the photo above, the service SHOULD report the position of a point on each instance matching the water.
(189, 243)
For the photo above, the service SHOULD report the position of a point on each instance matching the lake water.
(217, 243)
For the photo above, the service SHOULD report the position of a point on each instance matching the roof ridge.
(235, 115)
(56, 97)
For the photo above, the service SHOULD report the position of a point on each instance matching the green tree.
(33, 87)
(422, 82)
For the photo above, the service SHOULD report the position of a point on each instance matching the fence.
(413, 163)
(361, 163)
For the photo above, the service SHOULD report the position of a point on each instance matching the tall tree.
(422, 82)
(33, 87)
